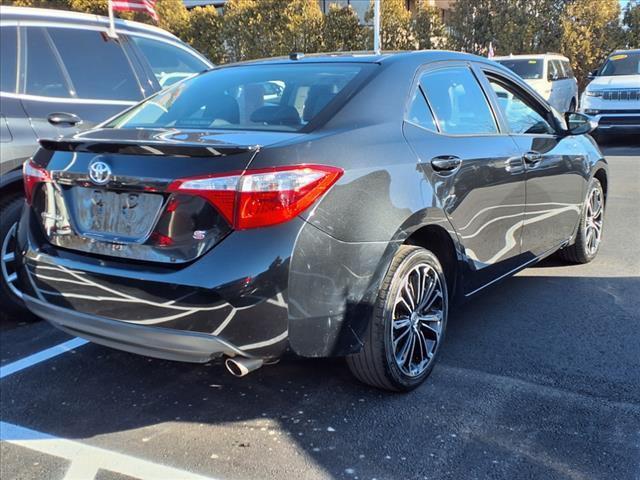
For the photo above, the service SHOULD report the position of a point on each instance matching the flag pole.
(112, 24)
(376, 26)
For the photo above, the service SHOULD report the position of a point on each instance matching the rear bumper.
(165, 343)
(233, 300)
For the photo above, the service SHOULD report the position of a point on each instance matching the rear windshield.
(251, 97)
(527, 69)
(622, 64)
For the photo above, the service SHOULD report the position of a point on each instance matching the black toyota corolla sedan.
(333, 205)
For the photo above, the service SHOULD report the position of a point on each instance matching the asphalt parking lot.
(539, 378)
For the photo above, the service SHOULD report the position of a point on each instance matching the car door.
(474, 167)
(71, 70)
(555, 181)
(17, 139)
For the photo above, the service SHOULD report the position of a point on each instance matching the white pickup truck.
(613, 95)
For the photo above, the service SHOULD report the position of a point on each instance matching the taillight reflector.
(32, 175)
(259, 198)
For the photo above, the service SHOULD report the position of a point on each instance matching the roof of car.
(417, 56)
(632, 50)
(23, 14)
(533, 55)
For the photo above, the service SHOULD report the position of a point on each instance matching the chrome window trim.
(39, 98)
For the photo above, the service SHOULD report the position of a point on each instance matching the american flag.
(148, 6)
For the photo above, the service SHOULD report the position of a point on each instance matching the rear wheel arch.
(438, 240)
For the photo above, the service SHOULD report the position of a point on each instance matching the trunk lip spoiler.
(145, 147)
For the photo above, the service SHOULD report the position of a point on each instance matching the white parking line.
(41, 356)
(86, 460)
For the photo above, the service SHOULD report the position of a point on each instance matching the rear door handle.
(445, 163)
(532, 158)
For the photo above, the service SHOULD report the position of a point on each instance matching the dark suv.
(61, 72)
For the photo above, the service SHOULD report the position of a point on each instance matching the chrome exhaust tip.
(239, 367)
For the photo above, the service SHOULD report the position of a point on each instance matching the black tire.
(10, 210)
(376, 363)
(580, 250)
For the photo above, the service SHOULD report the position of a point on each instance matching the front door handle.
(445, 163)
(532, 158)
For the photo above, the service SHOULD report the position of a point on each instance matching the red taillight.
(32, 175)
(259, 198)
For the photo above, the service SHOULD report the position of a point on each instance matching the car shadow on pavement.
(539, 378)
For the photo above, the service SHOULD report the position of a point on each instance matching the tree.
(427, 26)
(471, 26)
(342, 30)
(532, 26)
(57, 4)
(205, 33)
(305, 23)
(590, 30)
(395, 25)
(632, 24)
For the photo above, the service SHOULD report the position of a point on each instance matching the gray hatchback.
(62, 72)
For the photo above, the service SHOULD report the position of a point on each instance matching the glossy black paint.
(310, 283)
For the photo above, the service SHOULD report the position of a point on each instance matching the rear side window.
(419, 112)
(42, 73)
(97, 65)
(169, 63)
(555, 70)
(253, 97)
(458, 102)
(8, 51)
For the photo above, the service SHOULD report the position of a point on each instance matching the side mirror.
(552, 77)
(579, 123)
(592, 74)
(61, 119)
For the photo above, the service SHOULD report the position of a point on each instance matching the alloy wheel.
(417, 320)
(8, 261)
(593, 221)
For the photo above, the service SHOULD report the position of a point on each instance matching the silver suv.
(61, 72)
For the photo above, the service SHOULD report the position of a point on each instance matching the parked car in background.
(339, 216)
(550, 75)
(61, 72)
(613, 95)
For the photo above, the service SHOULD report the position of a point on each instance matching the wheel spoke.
(12, 278)
(8, 257)
(401, 322)
(423, 341)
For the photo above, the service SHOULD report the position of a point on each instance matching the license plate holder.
(127, 217)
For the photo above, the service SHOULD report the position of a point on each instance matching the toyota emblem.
(99, 172)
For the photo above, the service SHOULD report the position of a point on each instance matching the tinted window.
(520, 115)
(530, 69)
(8, 49)
(43, 75)
(458, 102)
(168, 63)
(262, 97)
(419, 112)
(622, 64)
(96, 64)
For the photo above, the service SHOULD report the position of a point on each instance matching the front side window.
(169, 64)
(567, 68)
(252, 97)
(419, 112)
(97, 65)
(42, 73)
(458, 102)
(8, 50)
(520, 115)
(529, 69)
(555, 70)
(622, 64)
